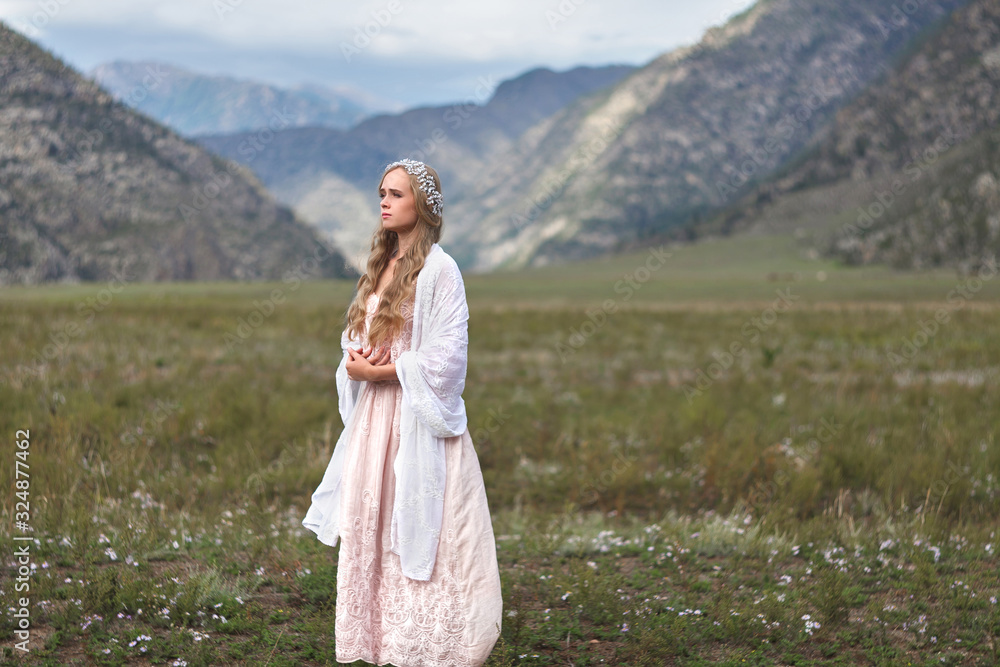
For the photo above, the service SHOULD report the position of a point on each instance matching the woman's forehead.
(396, 179)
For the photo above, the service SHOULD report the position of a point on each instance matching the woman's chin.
(391, 226)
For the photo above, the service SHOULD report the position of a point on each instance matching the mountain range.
(330, 176)
(193, 103)
(93, 190)
(643, 155)
(867, 128)
(683, 136)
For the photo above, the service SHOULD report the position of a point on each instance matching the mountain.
(92, 190)
(914, 160)
(193, 103)
(330, 176)
(684, 136)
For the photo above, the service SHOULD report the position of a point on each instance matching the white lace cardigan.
(432, 375)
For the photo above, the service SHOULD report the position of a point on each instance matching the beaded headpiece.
(416, 168)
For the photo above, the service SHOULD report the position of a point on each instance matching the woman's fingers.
(375, 356)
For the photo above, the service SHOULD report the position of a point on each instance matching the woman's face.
(399, 207)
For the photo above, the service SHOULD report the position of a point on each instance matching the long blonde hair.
(388, 321)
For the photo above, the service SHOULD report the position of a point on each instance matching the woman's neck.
(403, 243)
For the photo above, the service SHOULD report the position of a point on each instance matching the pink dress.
(382, 616)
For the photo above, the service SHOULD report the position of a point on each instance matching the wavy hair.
(388, 321)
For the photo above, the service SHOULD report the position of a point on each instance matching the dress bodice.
(401, 343)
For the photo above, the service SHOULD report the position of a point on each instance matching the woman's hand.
(363, 363)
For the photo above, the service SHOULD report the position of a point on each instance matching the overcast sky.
(409, 52)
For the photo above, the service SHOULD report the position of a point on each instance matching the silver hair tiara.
(416, 168)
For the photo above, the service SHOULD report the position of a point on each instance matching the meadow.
(727, 453)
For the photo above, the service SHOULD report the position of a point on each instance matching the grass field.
(734, 454)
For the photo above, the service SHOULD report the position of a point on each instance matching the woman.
(417, 575)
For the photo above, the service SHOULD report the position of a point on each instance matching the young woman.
(417, 575)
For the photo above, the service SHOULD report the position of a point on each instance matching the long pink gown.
(383, 617)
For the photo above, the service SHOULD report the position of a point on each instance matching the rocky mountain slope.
(91, 190)
(919, 150)
(193, 103)
(683, 137)
(329, 176)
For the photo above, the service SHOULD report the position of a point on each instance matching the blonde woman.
(417, 575)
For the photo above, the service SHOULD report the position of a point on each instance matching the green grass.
(657, 498)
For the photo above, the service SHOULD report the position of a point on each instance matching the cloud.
(550, 30)
(414, 50)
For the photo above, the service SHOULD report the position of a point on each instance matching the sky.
(400, 53)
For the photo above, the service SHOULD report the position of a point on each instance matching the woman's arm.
(370, 365)
(348, 389)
